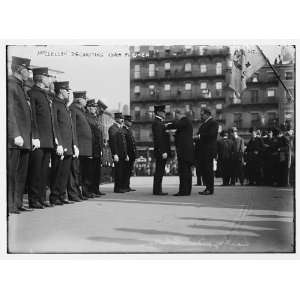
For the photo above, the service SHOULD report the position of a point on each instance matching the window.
(219, 106)
(167, 87)
(201, 50)
(137, 71)
(219, 85)
(203, 68)
(151, 108)
(137, 113)
(219, 68)
(137, 132)
(188, 86)
(152, 89)
(151, 70)
(168, 108)
(167, 66)
(137, 89)
(203, 105)
(271, 92)
(254, 96)
(237, 120)
(203, 85)
(255, 120)
(188, 67)
(187, 108)
(289, 75)
(291, 92)
(272, 119)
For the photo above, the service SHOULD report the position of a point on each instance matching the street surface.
(234, 219)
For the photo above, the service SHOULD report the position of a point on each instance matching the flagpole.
(276, 73)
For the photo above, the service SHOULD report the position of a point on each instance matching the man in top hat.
(94, 167)
(207, 134)
(42, 112)
(20, 133)
(162, 149)
(80, 168)
(131, 150)
(185, 150)
(118, 146)
(61, 159)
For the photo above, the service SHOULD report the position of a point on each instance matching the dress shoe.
(180, 194)
(36, 205)
(98, 193)
(120, 191)
(131, 190)
(161, 194)
(45, 204)
(88, 195)
(206, 192)
(17, 212)
(64, 201)
(75, 200)
(24, 209)
(84, 197)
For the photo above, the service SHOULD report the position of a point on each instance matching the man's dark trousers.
(73, 186)
(119, 176)
(158, 175)
(207, 162)
(128, 171)
(60, 176)
(38, 175)
(185, 177)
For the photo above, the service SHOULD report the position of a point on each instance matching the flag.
(245, 62)
(287, 54)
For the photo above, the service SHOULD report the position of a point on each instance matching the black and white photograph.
(151, 148)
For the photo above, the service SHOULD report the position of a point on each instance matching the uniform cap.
(81, 94)
(20, 61)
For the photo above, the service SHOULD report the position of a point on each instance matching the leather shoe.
(75, 200)
(45, 204)
(206, 192)
(24, 209)
(120, 191)
(56, 202)
(179, 194)
(17, 212)
(36, 205)
(131, 190)
(161, 194)
(84, 197)
(64, 201)
(98, 193)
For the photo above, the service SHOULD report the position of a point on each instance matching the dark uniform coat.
(117, 141)
(42, 106)
(130, 142)
(65, 132)
(161, 138)
(97, 138)
(82, 129)
(19, 118)
(184, 139)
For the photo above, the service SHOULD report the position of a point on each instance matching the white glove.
(127, 158)
(116, 158)
(19, 141)
(60, 150)
(36, 144)
(76, 151)
(56, 141)
(164, 155)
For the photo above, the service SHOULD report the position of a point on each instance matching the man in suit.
(131, 150)
(80, 166)
(42, 112)
(118, 146)
(185, 151)
(20, 133)
(61, 159)
(207, 134)
(97, 148)
(162, 150)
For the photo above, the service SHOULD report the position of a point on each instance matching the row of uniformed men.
(43, 127)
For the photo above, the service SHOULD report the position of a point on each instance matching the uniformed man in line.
(162, 149)
(42, 111)
(20, 133)
(184, 149)
(253, 153)
(61, 158)
(131, 150)
(118, 146)
(269, 158)
(225, 154)
(94, 168)
(80, 168)
(237, 170)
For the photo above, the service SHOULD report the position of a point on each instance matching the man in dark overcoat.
(80, 167)
(162, 149)
(208, 133)
(20, 133)
(131, 151)
(94, 167)
(118, 146)
(61, 159)
(185, 151)
(42, 112)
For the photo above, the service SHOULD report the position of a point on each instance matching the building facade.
(189, 77)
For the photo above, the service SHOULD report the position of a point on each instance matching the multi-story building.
(189, 77)
(265, 102)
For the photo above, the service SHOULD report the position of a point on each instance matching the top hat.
(118, 115)
(158, 108)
